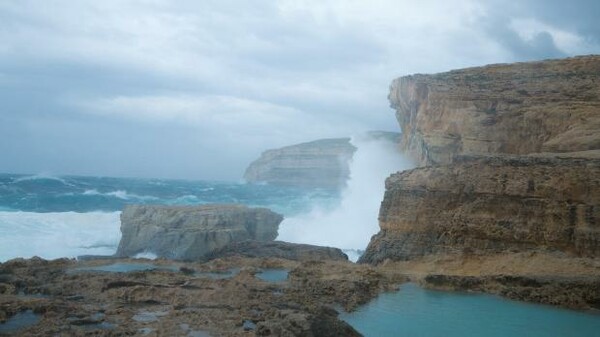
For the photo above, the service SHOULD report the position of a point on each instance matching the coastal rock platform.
(222, 297)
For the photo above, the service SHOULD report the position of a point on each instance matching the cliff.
(320, 163)
(510, 173)
(487, 205)
(192, 232)
(522, 108)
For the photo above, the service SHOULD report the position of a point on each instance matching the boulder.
(192, 232)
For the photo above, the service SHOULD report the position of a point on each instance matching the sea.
(67, 216)
(53, 216)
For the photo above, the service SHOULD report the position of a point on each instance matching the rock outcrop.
(181, 299)
(192, 232)
(485, 205)
(320, 163)
(510, 165)
(279, 249)
(522, 108)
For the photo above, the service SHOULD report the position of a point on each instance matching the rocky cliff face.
(509, 163)
(323, 163)
(522, 108)
(320, 163)
(192, 232)
(487, 205)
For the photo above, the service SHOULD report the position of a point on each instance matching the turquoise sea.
(60, 216)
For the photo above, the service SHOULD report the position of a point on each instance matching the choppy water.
(66, 216)
(415, 312)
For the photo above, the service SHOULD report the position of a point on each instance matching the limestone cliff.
(192, 232)
(522, 108)
(487, 205)
(320, 163)
(509, 156)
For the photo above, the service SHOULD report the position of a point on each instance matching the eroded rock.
(192, 232)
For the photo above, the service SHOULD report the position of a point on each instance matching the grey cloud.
(97, 87)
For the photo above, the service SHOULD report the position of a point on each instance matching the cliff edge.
(508, 183)
(522, 108)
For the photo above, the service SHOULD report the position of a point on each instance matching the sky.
(198, 89)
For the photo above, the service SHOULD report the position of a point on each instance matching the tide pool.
(414, 311)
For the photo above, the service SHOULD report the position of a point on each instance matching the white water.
(354, 221)
(55, 235)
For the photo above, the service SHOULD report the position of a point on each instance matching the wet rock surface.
(167, 302)
(570, 292)
(279, 249)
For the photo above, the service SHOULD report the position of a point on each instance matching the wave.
(188, 199)
(60, 234)
(120, 194)
(353, 221)
(41, 176)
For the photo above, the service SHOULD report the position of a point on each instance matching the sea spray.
(68, 216)
(352, 223)
(55, 235)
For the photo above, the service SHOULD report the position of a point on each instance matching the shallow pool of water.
(273, 275)
(123, 267)
(414, 311)
(219, 275)
(19, 321)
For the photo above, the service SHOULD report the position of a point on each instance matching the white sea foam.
(41, 176)
(120, 194)
(353, 254)
(54, 235)
(146, 255)
(354, 221)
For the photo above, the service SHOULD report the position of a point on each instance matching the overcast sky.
(197, 89)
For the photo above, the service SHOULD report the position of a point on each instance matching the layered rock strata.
(509, 158)
(521, 108)
(320, 163)
(192, 232)
(323, 163)
(485, 205)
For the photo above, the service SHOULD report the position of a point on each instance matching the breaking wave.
(351, 224)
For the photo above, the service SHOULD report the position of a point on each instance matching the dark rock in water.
(279, 249)
(192, 232)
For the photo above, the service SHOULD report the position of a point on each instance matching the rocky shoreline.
(506, 199)
(188, 299)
